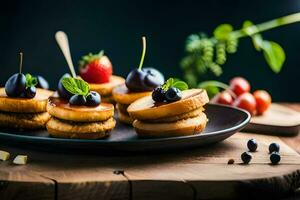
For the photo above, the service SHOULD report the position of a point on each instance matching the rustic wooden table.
(192, 174)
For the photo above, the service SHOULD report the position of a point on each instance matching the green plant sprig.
(76, 86)
(210, 53)
(172, 82)
(30, 81)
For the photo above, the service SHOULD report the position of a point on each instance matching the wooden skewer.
(63, 42)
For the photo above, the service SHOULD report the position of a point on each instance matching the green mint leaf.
(30, 81)
(168, 84)
(76, 86)
(274, 55)
(256, 38)
(222, 31)
(181, 85)
(174, 82)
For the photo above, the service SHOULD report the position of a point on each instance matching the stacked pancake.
(83, 122)
(24, 113)
(183, 117)
(105, 89)
(123, 97)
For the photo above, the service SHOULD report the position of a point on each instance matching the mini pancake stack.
(105, 89)
(123, 97)
(83, 122)
(183, 117)
(24, 113)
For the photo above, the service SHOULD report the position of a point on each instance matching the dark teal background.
(117, 27)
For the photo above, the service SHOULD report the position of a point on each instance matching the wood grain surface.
(191, 174)
(293, 141)
(278, 120)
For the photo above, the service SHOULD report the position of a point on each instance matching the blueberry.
(77, 100)
(246, 157)
(15, 86)
(30, 92)
(150, 81)
(158, 94)
(42, 82)
(252, 145)
(93, 99)
(135, 80)
(275, 158)
(139, 80)
(274, 147)
(173, 94)
(153, 77)
(63, 93)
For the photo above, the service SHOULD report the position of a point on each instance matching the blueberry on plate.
(275, 158)
(77, 100)
(173, 94)
(246, 157)
(274, 147)
(252, 145)
(93, 99)
(158, 94)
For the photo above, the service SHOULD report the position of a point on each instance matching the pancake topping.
(20, 85)
(141, 80)
(170, 91)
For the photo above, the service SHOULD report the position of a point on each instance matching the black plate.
(223, 122)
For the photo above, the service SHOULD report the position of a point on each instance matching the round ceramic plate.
(224, 121)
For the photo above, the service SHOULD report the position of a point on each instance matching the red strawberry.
(95, 68)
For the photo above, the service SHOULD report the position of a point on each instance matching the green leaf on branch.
(212, 87)
(256, 38)
(222, 31)
(274, 55)
(257, 41)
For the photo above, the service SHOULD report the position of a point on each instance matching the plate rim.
(142, 140)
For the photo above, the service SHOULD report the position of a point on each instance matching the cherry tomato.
(263, 100)
(223, 98)
(239, 85)
(246, 101)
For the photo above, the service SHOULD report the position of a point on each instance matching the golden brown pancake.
(61, 109)
(80, 130)
(25, 105)
(183, 127)
(122, 107)
(105, 89)
(23, 120)
(124, 117)
(146, 109)
(122, 95)
(191, 114)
